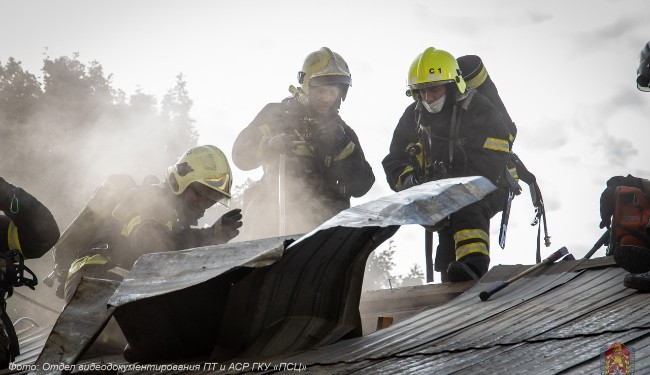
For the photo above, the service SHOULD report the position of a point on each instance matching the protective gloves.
(607, 197)
(279, 144)
(409, 181)
(331, 137)
(227, 226)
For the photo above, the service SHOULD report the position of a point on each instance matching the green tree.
(414, 277)
(378, 269)
(71, 129)
(176, 106)
(20, 93)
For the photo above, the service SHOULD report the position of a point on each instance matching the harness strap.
(14, 349)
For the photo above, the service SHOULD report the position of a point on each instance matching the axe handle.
(502, 284)
(484, 295)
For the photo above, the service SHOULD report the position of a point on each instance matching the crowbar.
(502, 284)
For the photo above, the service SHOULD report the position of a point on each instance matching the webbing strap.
(14, 349)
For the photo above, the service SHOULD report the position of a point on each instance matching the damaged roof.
(555, 321)
(297, 306)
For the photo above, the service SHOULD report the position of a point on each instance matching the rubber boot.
(459, 271)
(470, 267)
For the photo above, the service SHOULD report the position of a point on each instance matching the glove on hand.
(607, 197)
(409, 181)
(280, 144)
(331, 137)
(227, 227)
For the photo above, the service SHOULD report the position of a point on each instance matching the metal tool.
(502, 284)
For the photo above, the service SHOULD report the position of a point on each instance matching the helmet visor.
(329, 80)
(424, 85)
(211, 188)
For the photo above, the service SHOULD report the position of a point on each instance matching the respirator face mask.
(435, 106)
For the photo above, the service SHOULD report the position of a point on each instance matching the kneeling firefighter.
(124, 221)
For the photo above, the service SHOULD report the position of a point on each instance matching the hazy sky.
(565, 70)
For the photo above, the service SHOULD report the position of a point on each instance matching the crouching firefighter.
(28, 230)
(124, 221)
(451, 130)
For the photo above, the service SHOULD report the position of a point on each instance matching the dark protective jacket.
(148, 219)
(28, 227)
(323, 170)
(480, 146)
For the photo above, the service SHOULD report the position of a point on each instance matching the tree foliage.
(62, 134)
(379, 271)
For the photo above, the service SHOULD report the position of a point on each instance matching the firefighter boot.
(470, 267)
(640, 282)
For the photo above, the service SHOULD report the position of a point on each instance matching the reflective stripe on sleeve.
(96, 259)
(497, 144)
(407, 170)
(347, 151)
(127, 228)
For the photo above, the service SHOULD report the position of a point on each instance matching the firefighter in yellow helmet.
(312, 160)
(27, 231)
(157, 217)
(451, 130)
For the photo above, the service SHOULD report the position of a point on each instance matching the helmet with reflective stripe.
(643, 71)
(434, 67)
(206, 165)
(323, 68)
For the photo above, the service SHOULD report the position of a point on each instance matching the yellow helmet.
(206, 165)
(434, 67)
(322, 68)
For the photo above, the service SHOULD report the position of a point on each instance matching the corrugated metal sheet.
(556, 321)
(79, 324)
(31, 339)
(305, 295)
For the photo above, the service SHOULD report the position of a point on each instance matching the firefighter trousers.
(466, 237)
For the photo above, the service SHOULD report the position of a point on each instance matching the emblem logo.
(617, 359)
